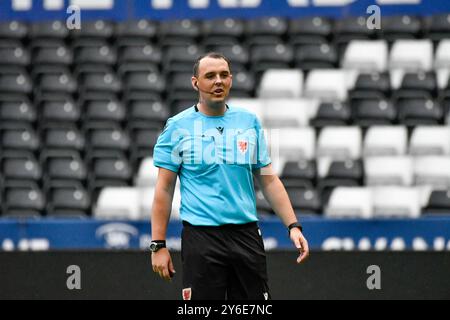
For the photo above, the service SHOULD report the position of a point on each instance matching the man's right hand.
(162, 264)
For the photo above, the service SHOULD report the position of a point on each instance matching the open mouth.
(218, 91)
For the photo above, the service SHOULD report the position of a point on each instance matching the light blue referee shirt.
(214, 157)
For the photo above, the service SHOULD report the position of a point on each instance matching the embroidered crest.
(243, 146)
(187, 293)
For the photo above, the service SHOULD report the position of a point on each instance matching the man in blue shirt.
(216, 150)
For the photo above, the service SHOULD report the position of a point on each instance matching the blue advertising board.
(432, 233)
(209, 9)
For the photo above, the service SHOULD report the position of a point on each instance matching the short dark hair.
(214, 55)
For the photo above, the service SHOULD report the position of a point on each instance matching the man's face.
(214, 80)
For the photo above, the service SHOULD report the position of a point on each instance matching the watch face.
(153, 247)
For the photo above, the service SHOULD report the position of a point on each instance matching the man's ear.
(194, 82)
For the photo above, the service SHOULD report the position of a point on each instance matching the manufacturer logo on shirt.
(243, 146)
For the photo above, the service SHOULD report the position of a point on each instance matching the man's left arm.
(276, 195)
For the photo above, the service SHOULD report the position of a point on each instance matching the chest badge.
(243, 146)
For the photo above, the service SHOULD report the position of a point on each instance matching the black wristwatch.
(156, 245)
(294, 225)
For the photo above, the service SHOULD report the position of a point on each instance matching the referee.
(216, 150)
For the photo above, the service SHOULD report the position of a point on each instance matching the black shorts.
(225, 262)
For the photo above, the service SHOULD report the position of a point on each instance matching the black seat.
(243, 84)
(147, 109)
(58, 54)
(100, 81)
(103, 109)
(107, 136)
(98, 29)
(178, 33)
(371, 85)
(68, 200)
(401, 27)
(20, 166)
(60, 107)
(323, 56)
(272, 26)
(23, 199)
(63, 136)
(147, 53)
(223, 27)
(15, 80)
(237, 54)
(63, 165)
(103, 54)
(417, 85)
(19, 136)
(438, 27)
(109, 167)
(310, 30)
(14, 55)
(17, 108)
(144, 81)
(137, 29)
(144, 137)
(13, 30)
(56, 81)
(264, 57)
(299, 174)
(348, 29)
(438, 203)
(331, 114)
(368, 112)
(181, 59)
(305, 201)
(55, 29)
(418, 111)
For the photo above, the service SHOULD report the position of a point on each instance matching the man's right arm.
(161, 209)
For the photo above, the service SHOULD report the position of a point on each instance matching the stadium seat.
(398, 202)
(109, 166)
(243, 84)
(14, 55)
(56, 80)
(439, 27)
(430, 140)
(417, 85)
(55, 29)
(412, 55)
(144, 137)
(301, 173)
(372, 85)
(442, 57)
(293, 144)
(270, 56)
(433, 171)
(389, 171)
(180, 58)
(63, 136)
(19, 136)
(104, 135)
(13, 30)
(329, 114)
(367, 56)
(281, 84)
(94, 29)
(185, 28)
(438, 202)
(17, 108)
(60, 107)
(136, 29)
(118, 203)
(309, 30)
(68, 200)
(327, 85)
(20, 166)
(349, 29)
(15, 80)
(305, 201)
(385, 141)
(100, 81)
(369, 112)
(228, 27)
(147, 174)
(315, 56)
(97, 109)
(416, 111)
(285, 113)
(58, 54)
(401, 27)
(340, 143)
(251, 104)
(63, 165)
(350, 202)
(23, 199)
(147, 53)
(146, 109)
(144, 81)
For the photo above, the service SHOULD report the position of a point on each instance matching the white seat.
(399, 202)
(350, 202)
(411, 55)
(292, 144)
(340, 143)
(253, 105)
(147, 174)
(286, 113)
(433, 171)
(430, 140)
(366, 55)
(281, 83)
(327, 85)
(118, 203)
(383, 171)
(146, 197)
(386, 141)
(442, 57)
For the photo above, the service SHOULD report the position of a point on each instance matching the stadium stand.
(358, 120)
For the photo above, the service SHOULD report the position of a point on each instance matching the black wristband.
(294, 225)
